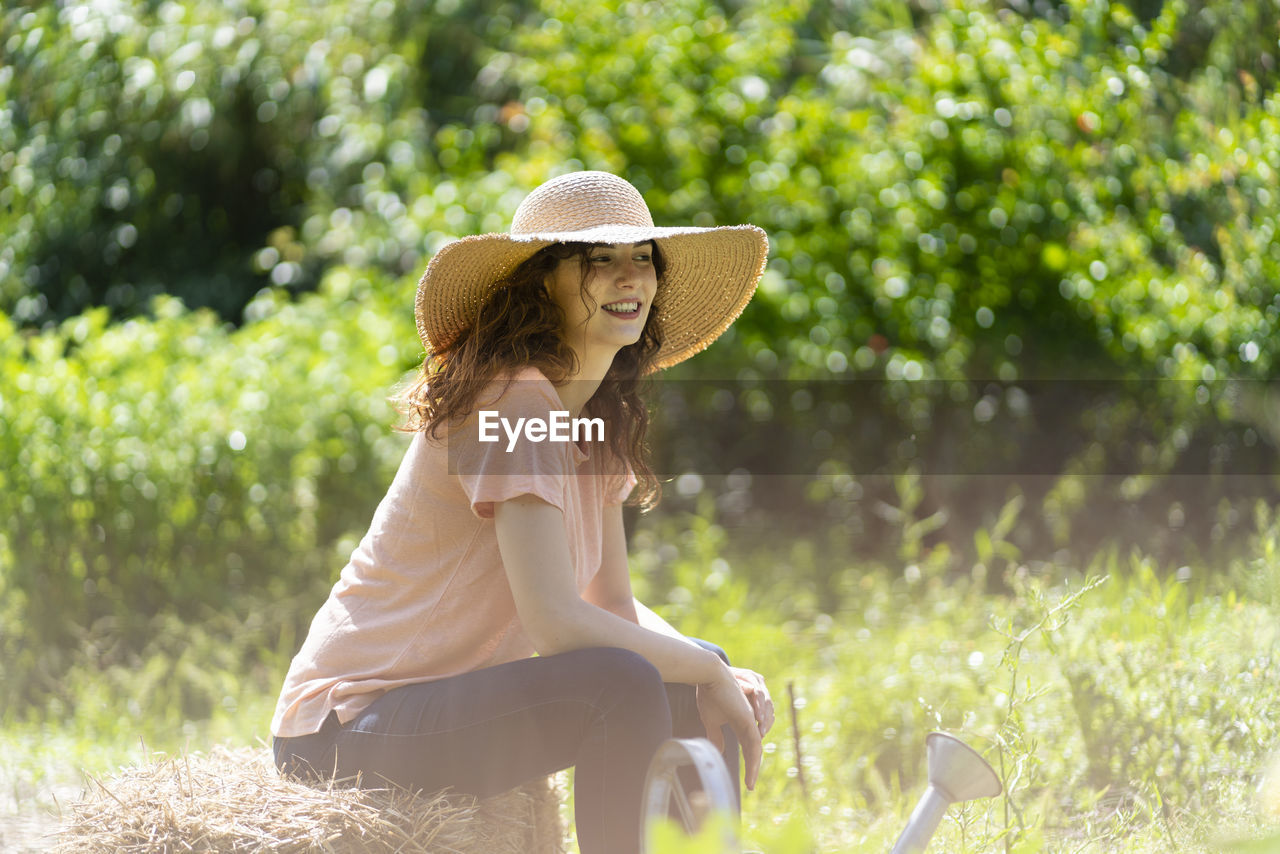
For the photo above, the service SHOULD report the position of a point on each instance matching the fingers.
(763, 705)
(757, 693)
(752, 752)
(748, 710)
(748, 740)
(746, 726)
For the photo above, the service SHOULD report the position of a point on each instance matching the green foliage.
(985, 191)
(1257, 573)
(1152, 706)
(174, 466)
(147, 151)
(209, 150)
(1019, 763)
(971, 194)
(963, 199)
(1132, 715)
(965, 191)
(1144, 769)
(716, 835)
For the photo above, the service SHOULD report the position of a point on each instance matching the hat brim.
(711, 274)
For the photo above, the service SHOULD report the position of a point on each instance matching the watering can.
(956, 774)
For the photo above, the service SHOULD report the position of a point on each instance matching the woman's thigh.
(483, 732)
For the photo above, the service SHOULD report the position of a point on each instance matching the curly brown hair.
(519, 325)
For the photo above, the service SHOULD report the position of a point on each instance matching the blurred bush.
(175, 466)
(978, 192)
(209, 150)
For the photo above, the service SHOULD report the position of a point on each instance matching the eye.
(643, 257)
(600, 259)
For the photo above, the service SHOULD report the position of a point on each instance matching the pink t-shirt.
(425, 595)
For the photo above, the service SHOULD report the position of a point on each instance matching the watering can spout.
(956, 773)
(958, 769)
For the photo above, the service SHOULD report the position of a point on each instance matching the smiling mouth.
(626, 308)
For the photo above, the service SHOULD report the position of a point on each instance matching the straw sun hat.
(711, 273)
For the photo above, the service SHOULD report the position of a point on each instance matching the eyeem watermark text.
(559, 428)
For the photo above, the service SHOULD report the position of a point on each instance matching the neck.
(577, 388)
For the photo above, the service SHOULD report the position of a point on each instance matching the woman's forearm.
(650, 620)
(579, 624)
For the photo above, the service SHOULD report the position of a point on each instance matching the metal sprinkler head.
(956, 774)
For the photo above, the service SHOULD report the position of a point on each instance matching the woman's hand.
(724, 702)
(757, 694)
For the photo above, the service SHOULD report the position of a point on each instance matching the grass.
(1128, 707)
(44, 766)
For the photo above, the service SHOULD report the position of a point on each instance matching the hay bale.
(235, 801)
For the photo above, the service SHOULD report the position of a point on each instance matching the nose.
(627, 271)
(630, 274)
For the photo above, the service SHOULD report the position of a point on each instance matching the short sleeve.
(492, 465)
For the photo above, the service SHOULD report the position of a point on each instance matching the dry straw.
(235, 801)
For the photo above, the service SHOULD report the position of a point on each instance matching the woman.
(500, 539)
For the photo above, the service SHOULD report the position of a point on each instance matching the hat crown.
(581, 201)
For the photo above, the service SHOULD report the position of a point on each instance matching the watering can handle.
(663, 789)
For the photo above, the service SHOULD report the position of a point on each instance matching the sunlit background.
(1019, 326)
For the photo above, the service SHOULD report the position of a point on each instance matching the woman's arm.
(648, 618)
(611, 587)
(535, 554)
(611, 590)
(752, 684)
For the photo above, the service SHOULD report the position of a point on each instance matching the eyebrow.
(649, 243)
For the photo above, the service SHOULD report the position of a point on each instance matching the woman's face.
(608, 310)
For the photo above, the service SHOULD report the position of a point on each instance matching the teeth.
(626, 306)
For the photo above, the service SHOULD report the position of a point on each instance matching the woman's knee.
(621, 678)
(622, 666)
